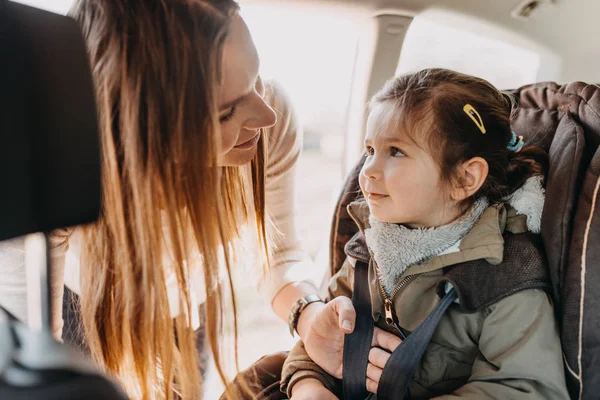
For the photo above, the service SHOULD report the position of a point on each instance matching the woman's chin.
(237, 157)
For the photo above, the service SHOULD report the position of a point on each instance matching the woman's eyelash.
(228, 116)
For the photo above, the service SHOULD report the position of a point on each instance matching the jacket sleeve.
(520, 354)
(299, 365)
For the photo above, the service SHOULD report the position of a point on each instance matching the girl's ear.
(471, 175)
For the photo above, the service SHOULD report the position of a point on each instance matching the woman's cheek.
(229, 136)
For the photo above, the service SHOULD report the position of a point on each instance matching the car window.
(434, 44)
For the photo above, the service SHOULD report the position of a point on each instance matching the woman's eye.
(370, 150)
(396, 152)
(228, 116)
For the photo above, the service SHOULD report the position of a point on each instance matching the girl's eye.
(228, 116)
(370, 150)
(396, 152)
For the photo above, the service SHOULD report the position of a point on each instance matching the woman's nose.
(264, 116)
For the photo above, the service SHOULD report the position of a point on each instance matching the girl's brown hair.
(156, 70)
(429, 109)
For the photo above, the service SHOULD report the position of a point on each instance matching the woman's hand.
(323, 337)
(311, 389)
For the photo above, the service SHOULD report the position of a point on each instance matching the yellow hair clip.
(474, 115)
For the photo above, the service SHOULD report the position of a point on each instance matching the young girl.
(447, 184)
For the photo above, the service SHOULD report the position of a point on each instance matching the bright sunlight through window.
(431, 44)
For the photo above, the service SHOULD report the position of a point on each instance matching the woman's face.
(242, 109)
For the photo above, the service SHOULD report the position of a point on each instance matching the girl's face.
(242, 109)
(400, 180)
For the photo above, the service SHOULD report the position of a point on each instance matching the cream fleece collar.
(396, 247)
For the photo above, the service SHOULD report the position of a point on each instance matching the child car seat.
(565, 121)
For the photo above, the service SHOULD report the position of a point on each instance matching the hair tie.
(516, 143)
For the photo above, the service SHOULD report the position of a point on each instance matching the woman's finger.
(378, 357)
(372, 386)
(374, 372)
(346, 313)
(385, 340)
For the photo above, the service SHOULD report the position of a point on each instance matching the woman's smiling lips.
(249, 143)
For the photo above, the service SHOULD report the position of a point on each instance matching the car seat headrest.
(49, 137)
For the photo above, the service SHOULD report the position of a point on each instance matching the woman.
(178, 92)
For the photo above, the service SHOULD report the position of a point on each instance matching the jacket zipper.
(388, 301)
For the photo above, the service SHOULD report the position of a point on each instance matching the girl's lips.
(376, 196)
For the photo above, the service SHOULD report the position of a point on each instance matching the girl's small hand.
(383, 345)
(311, 389)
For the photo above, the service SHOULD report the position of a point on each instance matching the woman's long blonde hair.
(156, 69)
